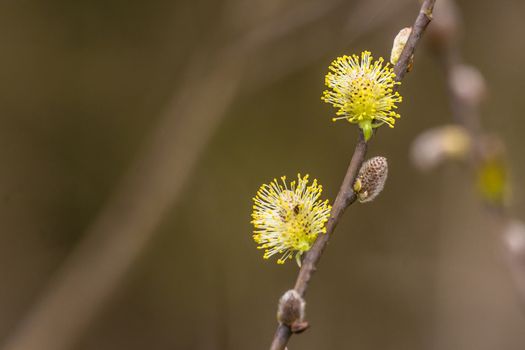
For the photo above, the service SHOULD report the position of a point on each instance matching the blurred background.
(134, 135)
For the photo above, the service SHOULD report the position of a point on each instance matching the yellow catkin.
(362, 91)
(288, 218)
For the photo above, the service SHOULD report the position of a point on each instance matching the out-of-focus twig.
(466, 89)
(127, 222)
(346, 195)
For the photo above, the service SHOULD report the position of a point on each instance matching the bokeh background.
(134, 134)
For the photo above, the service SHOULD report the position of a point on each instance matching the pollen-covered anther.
(291, 312)
(371, 179)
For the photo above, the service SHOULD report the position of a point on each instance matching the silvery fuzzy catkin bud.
(468, 84)
(371, 179)
(436, 145)
(291, 308)
(399, 44)
(514, 238)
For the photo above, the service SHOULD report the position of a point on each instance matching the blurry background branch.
(156, 178)
(120, 232)
(346, 195)
(466, 139)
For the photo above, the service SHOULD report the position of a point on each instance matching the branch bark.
(346, 195)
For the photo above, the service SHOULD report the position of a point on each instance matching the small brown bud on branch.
(291, 311)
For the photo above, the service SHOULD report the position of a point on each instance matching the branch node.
(299, 327)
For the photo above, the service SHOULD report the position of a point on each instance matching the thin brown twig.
(422, 21)
(346, 195)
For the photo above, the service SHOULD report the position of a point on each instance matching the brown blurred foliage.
(83, 86)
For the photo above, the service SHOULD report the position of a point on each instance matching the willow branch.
(346, 196)
(422, 20)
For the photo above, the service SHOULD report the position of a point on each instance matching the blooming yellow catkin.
(288, 219)
(362, 91)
